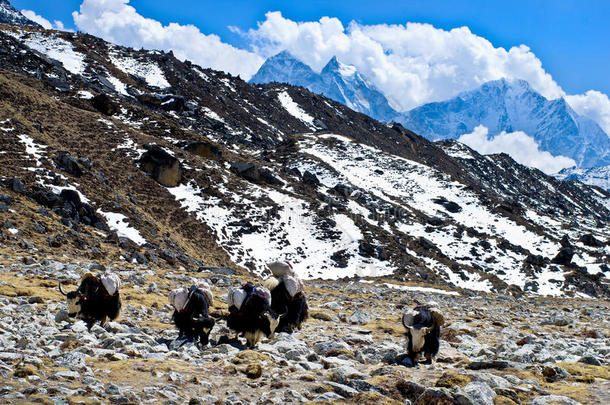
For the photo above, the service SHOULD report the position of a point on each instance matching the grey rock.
(359, 318)
(554, 399)
(342, 389)
(592, 360)
(323, 348)
(329, 396)
(204, 399)
(480, 392)
(61, 316)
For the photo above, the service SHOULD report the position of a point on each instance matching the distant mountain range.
(595, 176)
(512, 105)
(500, 105)
(337, 81)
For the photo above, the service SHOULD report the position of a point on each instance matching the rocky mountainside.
(512, 105)
(337, 81)
(10, 15)
(596, 176)
(133, 155)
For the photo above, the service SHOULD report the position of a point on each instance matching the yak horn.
(60, 290)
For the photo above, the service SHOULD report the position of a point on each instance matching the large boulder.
(590, 240)
(69, 164)
(104, 104)
(564, 257)
(253, 173)
(163, 167)
(205, 150)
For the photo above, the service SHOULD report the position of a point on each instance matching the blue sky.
(571, 38)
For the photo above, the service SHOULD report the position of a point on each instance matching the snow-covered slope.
(10, 15)
(512, 105)
(337, 81)
(273, 171)
(596, 176)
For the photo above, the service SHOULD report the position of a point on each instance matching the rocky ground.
(495, 350)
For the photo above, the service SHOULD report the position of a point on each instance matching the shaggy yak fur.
(295, 308)
(194, 320)
(423, 327)
(92, 303)
(254, 319)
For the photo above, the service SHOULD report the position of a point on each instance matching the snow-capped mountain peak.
(512, 105)
(337, 80)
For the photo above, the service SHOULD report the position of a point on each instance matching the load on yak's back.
(287, 296)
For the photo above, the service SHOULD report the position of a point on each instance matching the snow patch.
(56, 48)
(120, 223)
(32, 148)
(147, 70)
(294, 109)
(421, 289)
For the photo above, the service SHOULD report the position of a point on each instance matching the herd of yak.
(254, 310)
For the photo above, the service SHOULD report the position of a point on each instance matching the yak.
(250, 313)
(288, 298)
(191, 312)
(97, 298)
(423, 330)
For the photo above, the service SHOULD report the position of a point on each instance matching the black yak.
(97, 298)
(423, 325)
(288, 298)
(191, 312)
(250, 313)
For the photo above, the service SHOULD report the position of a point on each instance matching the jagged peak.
(336, 66)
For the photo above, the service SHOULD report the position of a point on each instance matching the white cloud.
(57, 25)
(411, 64)
(593, 104)
(118, 22)
(519, 146)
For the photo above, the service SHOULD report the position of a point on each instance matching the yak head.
(74, 300)
(204, 327)
(274, 320)
(418, 336)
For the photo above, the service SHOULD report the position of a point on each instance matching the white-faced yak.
(250, 313)
(423, 325)
(191, 312)
(97, 298)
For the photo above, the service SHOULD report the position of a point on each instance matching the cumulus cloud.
(519, 146)
(118, 22)
(411, 64)
(592, 104)
(56, 25)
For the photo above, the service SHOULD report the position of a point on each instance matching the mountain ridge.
(326, 187)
